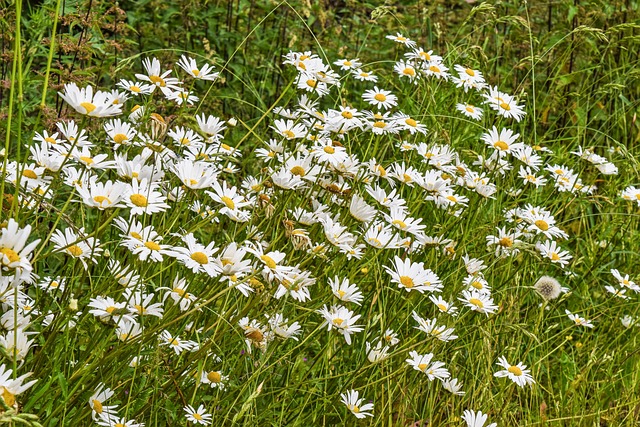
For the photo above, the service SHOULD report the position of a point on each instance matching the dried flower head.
(548, 288)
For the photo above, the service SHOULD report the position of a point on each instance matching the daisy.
(177, 344)
(380, 98)
(579, 320)
(454, 386)
(381, 236)
(413, 276)
(551, 250)
(212, 126)
(140, 304)
(470, 111)
(289, 129)
(505, 105)
(505, 242)
(476, 419)
(194, 175)
(377, 353)
(436, 69)
(421, 55)
(623, 280)
(529, 177)
(468, 78)
(198, 416)
(76, 245)
(422, 363)
(178, 293)
(158, 78)
(196, 257)
(348, 64)
(14, 251)
(504, 142)
(443, 305)
(182, 96)
(190, 66)
(84, 101)
(119, 133)
(432, 329)
(407, 69)
(345, 291)
(113, 421)
(519, 373)
(143, 197)
(631, 194)
(135, 88)
(364, 76)
(399, 38)
(342, 319)
(399, 219)
(480, 302)
(96, 401)
(353, 404)
(361, 210)
(408, 123)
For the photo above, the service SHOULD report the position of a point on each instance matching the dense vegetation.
(320, 213)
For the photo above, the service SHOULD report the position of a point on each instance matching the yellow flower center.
(347, 115)
(50, 140)
(399, 223)
(97, 406)
(515, 370)
(401, 39)
(434, 69)
(157, 80)
(298, 170)
(139, 200)
(422, 366)
(382, 171)
(195, 72)
(329, 149)
(74, 250)
(110, 309)
(228, 202)
(379, 125)
(134, 88)
(152, 245)
(28, 173)
(505, 106)
(363, 74)
(409, 72)
(347, 63)
(380, 97)
(200, 258)
(338, 321)
(141, 310)
(87, 160)
(470, 72)
(312, 83)
(214, 377)
(501, 145)
(288, 133)
(268, 261)
(442, 307)
(542, 225)
(407, 282)
(101, 199)
(89, 107)
(477, 285)
(11, 254)
(341, 293)
(355, 409)
(470, 108)
(197, 416)
(135, 235)
(411, 122)
(425, 56)
(120, 137)
(554, 256)
(476, 302)
(506, 242)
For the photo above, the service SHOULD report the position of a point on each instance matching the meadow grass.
(250, 244)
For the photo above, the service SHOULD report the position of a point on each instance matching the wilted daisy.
(519, 373)
(350, 399)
